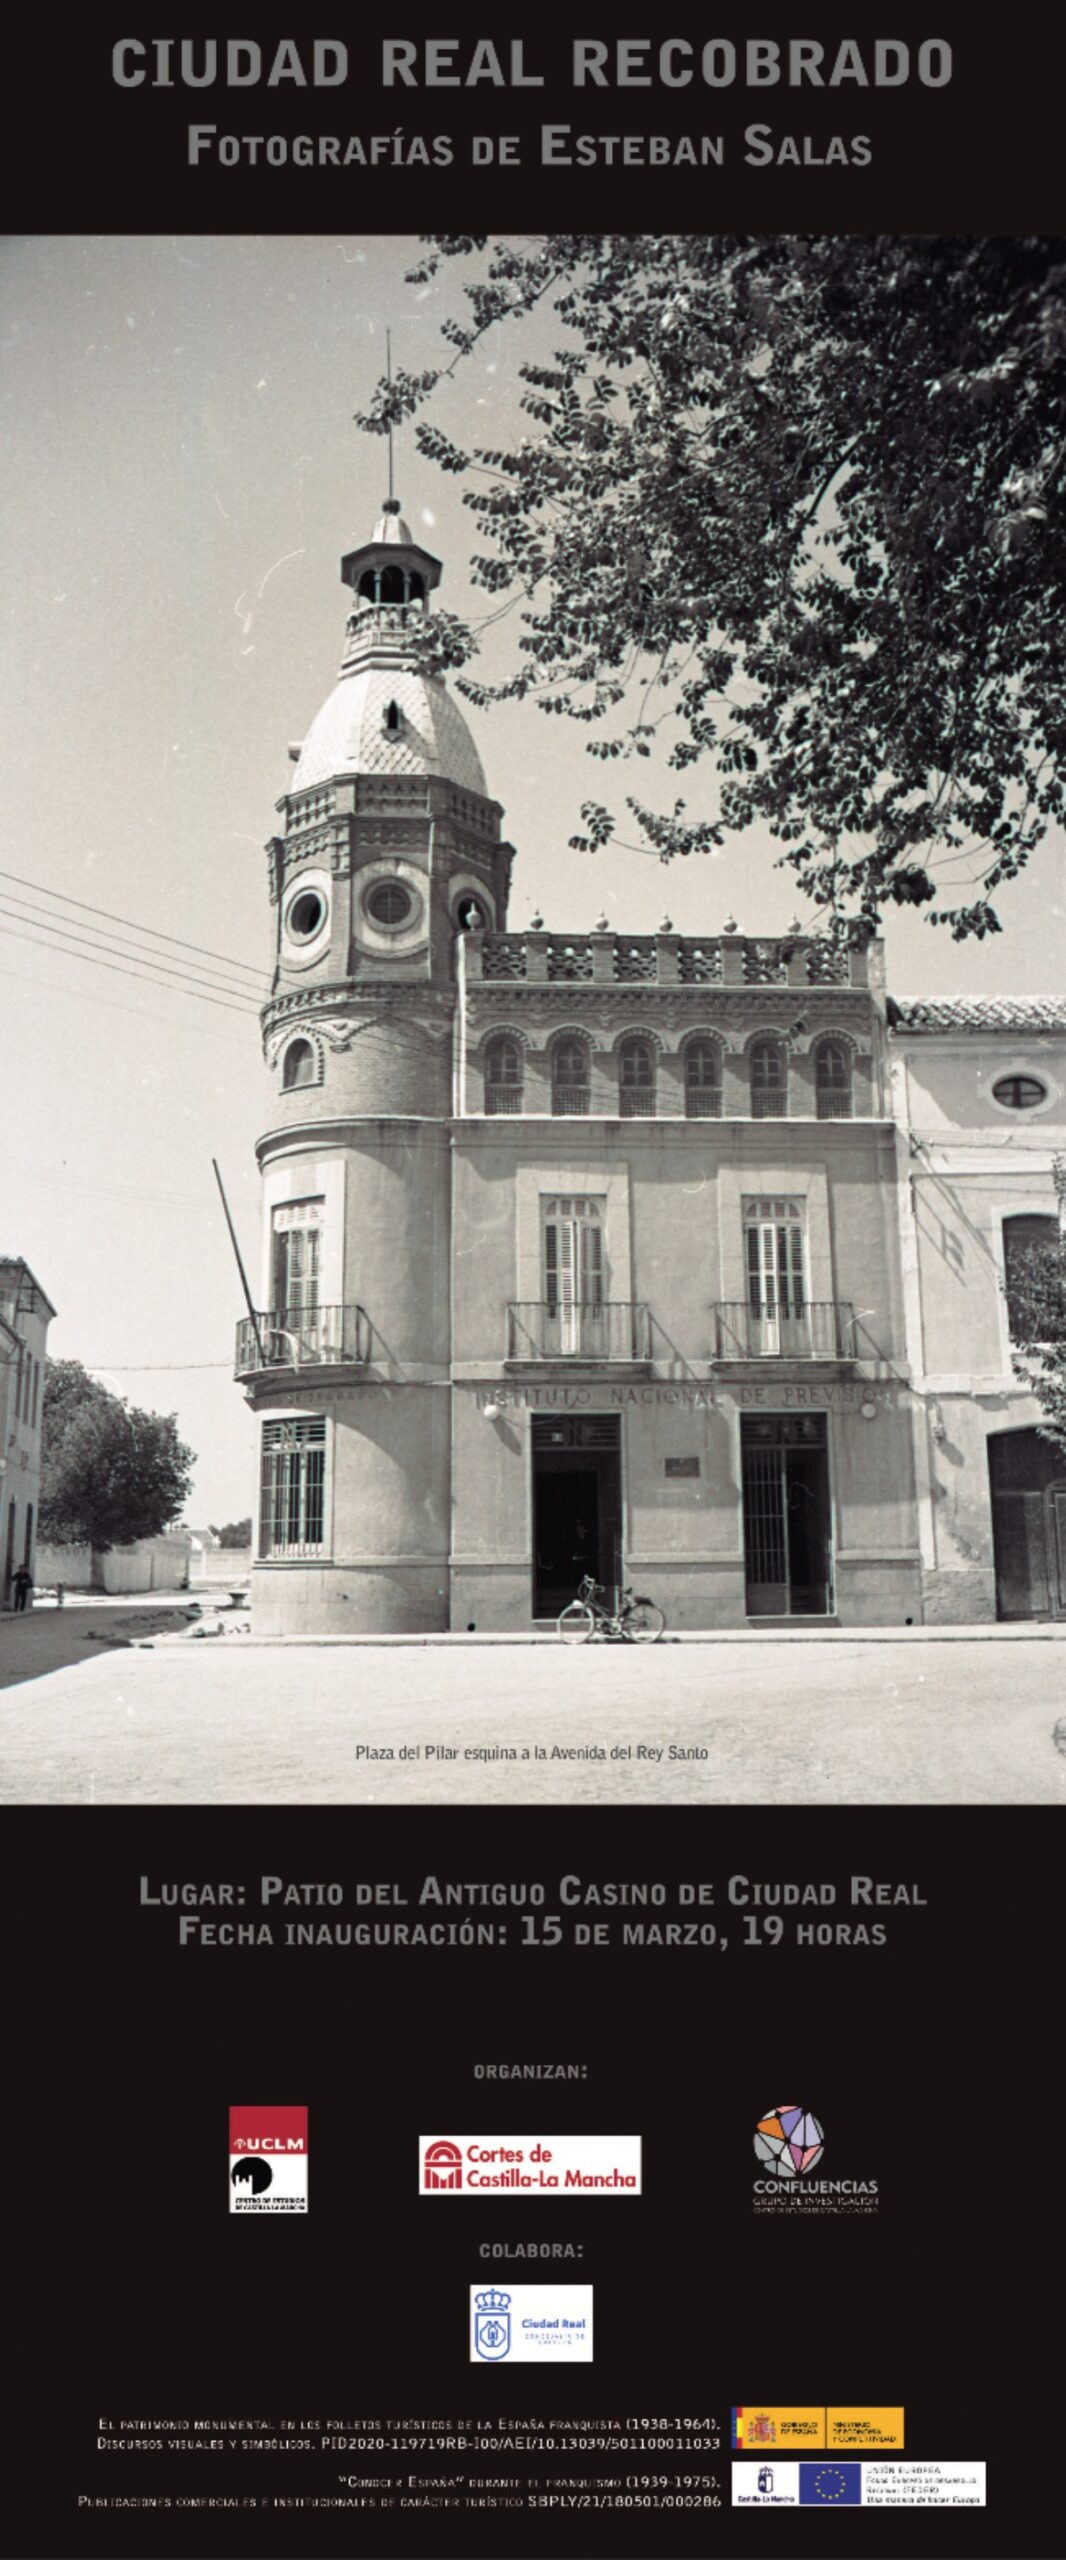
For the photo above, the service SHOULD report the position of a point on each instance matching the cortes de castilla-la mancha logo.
(529, 2164)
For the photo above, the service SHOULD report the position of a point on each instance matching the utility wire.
(25, 913)
(66, 900)
(231, 1004)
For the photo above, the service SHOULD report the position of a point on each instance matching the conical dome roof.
(356, 732)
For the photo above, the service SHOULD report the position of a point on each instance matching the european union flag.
(830, 2484)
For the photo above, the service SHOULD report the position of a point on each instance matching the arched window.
(503, 1075)
(832, 1080)
(299, 1065)
(570, 1080)
(392, 718)
(703, 1080)
(769, 1091)
(1033, 1278)
(392, 587)
(636, 1080)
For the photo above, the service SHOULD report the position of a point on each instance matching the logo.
(492, 2324)
(529, 2164)
(830, 2484)
(442, 2168)
(789, 2142)
(268, 2159)
(532, 2324)
(766, 2481)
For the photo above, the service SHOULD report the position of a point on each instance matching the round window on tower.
(390, 903)
(306, 919)
(1019, 1093)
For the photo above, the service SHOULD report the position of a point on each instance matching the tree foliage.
(1037, 1303)
(109, 1473)
(800, 504)
(233, 1533)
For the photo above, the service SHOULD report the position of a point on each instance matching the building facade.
(25, 1315)
(580, 1253)
(979, 1091)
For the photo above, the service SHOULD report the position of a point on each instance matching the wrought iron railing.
(636, 1102)
(703, 1101)
(300, 1337)
(570, 1101)
(833, 1103)
(769, 1102)
(581, 1329)
(822, 1329)
(503, 1098)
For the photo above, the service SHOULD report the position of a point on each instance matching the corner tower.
(390, 849)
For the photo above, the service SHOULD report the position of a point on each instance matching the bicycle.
(635, 1621)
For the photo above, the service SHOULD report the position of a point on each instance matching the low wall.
(152, 1564)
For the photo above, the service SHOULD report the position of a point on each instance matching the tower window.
(306, 916)
(389, 902)
(392, 718)
(299, 1066)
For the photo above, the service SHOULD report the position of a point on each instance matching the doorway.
(1027, 1480)
(787, 1547)
(577, 1508)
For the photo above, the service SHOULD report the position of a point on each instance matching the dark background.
(981, 155)
(137, 2292)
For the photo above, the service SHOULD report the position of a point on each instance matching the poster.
(732, 1956)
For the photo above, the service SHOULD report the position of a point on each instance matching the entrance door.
(787, 1555)
(1028, 1524)
(577, 1508)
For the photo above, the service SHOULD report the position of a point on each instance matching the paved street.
(801, 1720)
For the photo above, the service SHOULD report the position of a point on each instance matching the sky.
(182, 475)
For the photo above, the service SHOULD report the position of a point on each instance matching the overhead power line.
(230, 1004)
(65, 899)
(88, 938)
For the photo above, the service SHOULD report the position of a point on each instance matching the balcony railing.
(501, 1098)
(302, 1337)
(636, 1102)
(769, 1102)
(554, 1329)
(570, 1101)
(823, 1329)
(833, 1102)
(703, 1101)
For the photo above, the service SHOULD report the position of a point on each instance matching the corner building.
(580, 1253)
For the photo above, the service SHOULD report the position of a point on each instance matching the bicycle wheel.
(643, 1623)
(575, 1623)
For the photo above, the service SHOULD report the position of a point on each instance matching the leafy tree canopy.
(1037, 1300)
(800, 503)
(109, 1473)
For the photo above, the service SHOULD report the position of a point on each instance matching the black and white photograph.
(533, 1299)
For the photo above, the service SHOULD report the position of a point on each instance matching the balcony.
(302, 1338)
(823, 1329)
(549, 1329)
(503, 1100)
(570, 1101)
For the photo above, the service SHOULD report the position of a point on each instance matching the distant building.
(25, 1315)
(980, 1093)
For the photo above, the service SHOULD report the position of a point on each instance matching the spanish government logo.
(788, 2142)
(268, 2159)
(492, 2324)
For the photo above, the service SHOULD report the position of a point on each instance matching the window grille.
(293, 1487)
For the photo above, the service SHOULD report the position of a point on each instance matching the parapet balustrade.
(663, 959)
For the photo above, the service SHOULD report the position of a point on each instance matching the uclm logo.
(268, 2159)
(442, 2167)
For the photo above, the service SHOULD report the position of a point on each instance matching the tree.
(1037, 1303)
(800, 503)
(236, 1533)
(109, 1473)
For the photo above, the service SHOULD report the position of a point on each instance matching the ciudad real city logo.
(531, 2324)
(488, 2164)
(789, 2144)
